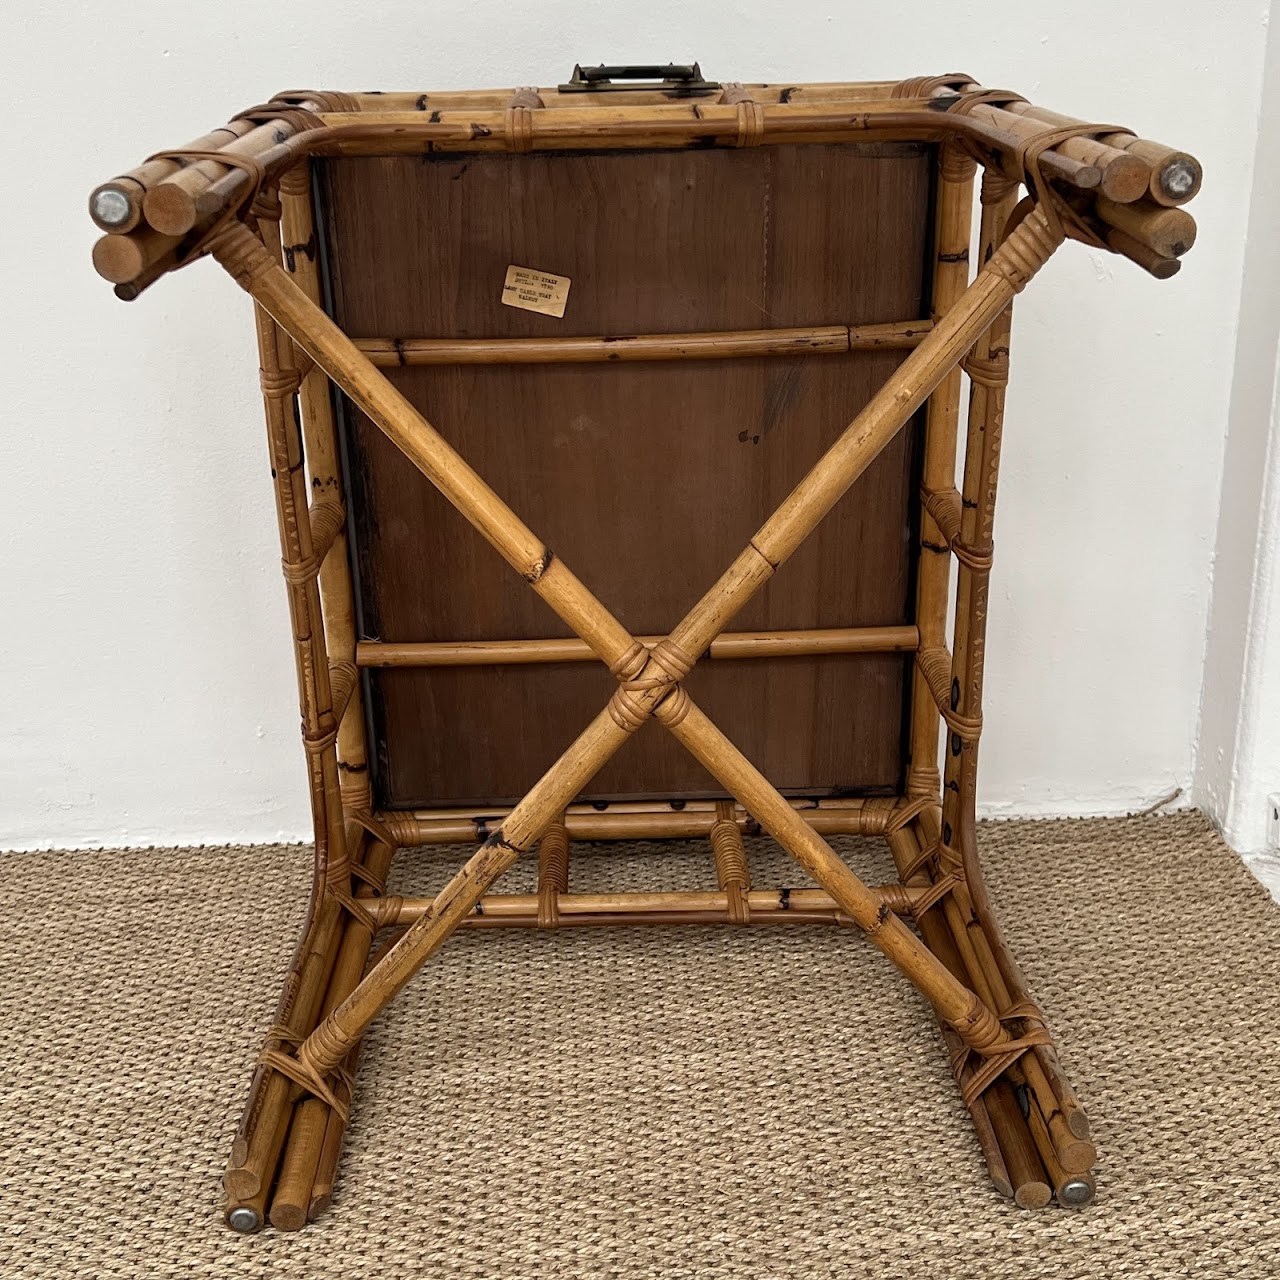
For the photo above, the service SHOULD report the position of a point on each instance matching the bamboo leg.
(261, 1135)
(1004, 1138)
(320, 439)
(988, 367)
(313, 1118)
(952, 232)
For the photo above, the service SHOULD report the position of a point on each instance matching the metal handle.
(679, 81)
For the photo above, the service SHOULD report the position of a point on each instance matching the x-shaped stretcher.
(649, 679)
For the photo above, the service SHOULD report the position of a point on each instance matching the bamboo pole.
(1124, 176)
(1175, 175)
(1168, 232)
(814, 340)
(265, 1123)
(116, 206)
(1067, 1120)
(740, 644)
(522, 908)
(313, 1118)
(1027, 1152)
(324, 464)
(952, 232)
(671, 820)
(172, 205)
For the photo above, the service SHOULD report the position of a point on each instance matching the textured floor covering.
(700, 1102)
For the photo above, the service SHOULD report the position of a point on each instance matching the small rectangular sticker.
(535, 291)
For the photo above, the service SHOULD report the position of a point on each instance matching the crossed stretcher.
(650, 678)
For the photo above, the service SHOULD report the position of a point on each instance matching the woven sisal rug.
(700, 1102)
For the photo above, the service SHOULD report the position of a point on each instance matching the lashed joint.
(649, 684)
(934, 663)
(946, 507)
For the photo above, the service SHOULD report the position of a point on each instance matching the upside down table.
(677, 326)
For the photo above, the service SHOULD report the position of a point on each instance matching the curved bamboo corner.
(242, 194)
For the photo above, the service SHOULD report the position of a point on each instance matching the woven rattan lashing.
(252, 196)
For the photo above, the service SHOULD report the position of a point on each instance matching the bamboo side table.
(574, 282)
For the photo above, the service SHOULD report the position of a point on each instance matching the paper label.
(535, 291)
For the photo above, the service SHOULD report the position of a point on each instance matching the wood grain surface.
(645, 478)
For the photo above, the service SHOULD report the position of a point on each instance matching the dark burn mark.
(939, 547)
(1024, 1100)
(946, 832)
(479, 908)
(677, 805)
(482, 830)
(421, 104)
(746, 438)
(480, 130)
(496, 841)
(701, 143)
(969, 503)
(784, 899)
(953, 785)
(997, 352)
(955, 693)
(957, 744)
(398, 343)
(281, 137)
(882, 913)
(434, 117)
(535, 574)
(962, 256)
(599, 805)
(461, 170)
(785, 96)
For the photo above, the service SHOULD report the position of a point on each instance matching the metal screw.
(1178, 179)
(1077, 1192)
(110, 207)
(243, 1219)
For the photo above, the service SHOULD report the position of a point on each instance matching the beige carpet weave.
(698, 1102)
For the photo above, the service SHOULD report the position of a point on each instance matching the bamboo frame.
(242, 194)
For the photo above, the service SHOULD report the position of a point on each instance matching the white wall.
(1238, 765)
(150, 695)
